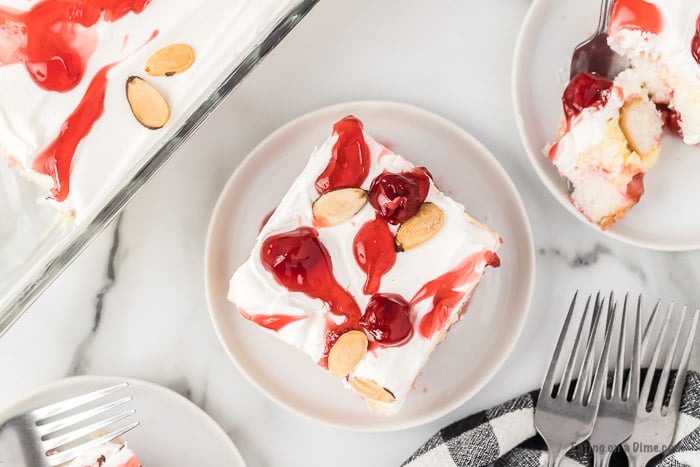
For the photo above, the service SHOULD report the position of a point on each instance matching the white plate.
(166, 419)
(664, 218)
(475, 348)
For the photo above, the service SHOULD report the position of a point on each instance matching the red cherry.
(585, 90)
(397, 196)
(671, 118)
(387, 319)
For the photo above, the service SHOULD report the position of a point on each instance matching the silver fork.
(655, 423)
(564, 423)
(594, 54)
(37, 438)
(618, 404)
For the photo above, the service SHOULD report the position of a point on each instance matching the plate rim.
(527, 239)
(177, 398)
(526, 34)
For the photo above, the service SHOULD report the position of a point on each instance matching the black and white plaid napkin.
(505, 436)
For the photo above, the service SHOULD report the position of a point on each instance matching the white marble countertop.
(133, 303)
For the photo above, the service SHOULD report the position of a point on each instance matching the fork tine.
(600, 379)
(64, 406)
(679, 383)
(575, 355)
(548, 384)
(651, 369)
(632, 390)
(584, 376)
(70, 454)
(53, 427)
(75, 435)
(649, 326)
(619, 373)
(662, 384)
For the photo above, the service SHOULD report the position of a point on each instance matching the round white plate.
(664, 218)
(166, 418)
(475, 348)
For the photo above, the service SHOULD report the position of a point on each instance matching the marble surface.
(133, 303)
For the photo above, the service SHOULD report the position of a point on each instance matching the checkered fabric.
(505, 436)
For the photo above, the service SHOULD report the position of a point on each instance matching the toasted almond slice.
(347, 352)
(148, 105)
(421, 227)
(371, 390)
(170, 60)
(642, 126)
(338, 206)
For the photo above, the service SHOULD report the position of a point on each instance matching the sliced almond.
(170, 60)
(347, 352)
(371, 390)
(148, 105)
(642, 127)
(338, 206)
(421, 227)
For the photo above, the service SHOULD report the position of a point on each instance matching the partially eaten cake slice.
(364, 265)
(611, 132)
(609, 138)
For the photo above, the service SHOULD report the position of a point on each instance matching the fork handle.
(555, 457)
(640, 460)
(601, 458)
(605, 12)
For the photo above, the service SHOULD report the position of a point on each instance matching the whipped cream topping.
(657, 36)
(255, 291)
(220, 31)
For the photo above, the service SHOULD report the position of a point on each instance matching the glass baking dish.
(36, 243)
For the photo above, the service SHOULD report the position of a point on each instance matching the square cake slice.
(364, 265)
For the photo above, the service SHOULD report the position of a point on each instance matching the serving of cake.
(364, 266)
(112, 454)
(611, 132)
(75, 74)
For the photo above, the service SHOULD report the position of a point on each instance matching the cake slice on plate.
(609, 138)
(112, 454)
(611, 132)
(364, 265)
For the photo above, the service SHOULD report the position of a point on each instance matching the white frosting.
(220, 31)
(117, 454)
(255, 291)
(671, 73)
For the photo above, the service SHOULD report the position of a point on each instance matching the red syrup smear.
(54, 40)
(635, 188)
(298, 261)
(695, 42)
(273, 322)
(445, 297)
(350, 160)
(636, 15)
(265, 220)
(375, 252)
(55, 160)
